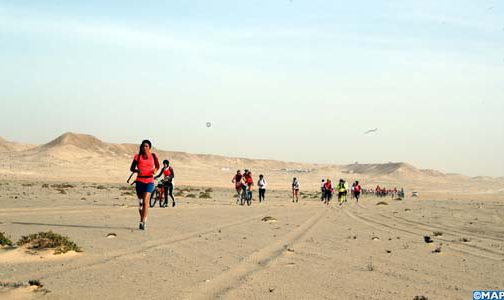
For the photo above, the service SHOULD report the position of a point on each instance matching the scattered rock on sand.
(382, 203)
(428, 239)
(437, 233)
(437, 250)
(269, 219)
(111, 235)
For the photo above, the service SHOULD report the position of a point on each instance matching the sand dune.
(81, 157)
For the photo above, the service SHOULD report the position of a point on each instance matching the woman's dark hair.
(166, 162)
(141, 148)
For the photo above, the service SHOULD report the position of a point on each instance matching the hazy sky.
(291, 80)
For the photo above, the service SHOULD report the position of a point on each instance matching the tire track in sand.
(91, 261)
(445, 229)
(480, 252)
(258, 260)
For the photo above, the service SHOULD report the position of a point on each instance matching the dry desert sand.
(208, 248)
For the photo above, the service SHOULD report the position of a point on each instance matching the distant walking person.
(357, 191)
(328, 190)
(169, 174)
(342, 189)
(237, 180)
(295, 189)
(322, 190)
(261, 183)
(145, 164)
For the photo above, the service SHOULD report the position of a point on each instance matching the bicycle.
(245, 196)
(158, 195)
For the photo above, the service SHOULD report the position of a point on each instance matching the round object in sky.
(208, 124)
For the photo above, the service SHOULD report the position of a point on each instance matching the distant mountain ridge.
(89, 145)
(83, 157)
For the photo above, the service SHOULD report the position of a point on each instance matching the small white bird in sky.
(371, 130)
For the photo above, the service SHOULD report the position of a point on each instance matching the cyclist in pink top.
(145, 164)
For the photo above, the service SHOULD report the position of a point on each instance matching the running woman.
(261, 183)
(237, 180)
(295, 189)
(169, 174)
(145, 164)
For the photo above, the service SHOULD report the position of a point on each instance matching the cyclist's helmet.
(166, 162)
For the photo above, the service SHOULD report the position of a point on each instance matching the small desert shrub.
(208, 190)
(382, 203)
(61, 191)
(205, 195)
(101, 187)
(129, 193)
(179, 194)
(125, 188)
(12, 284)
(63, 186)
(190, 196)
(47, 240)
(35, 282)
(4, 240)
(27, 184)
(45, 185)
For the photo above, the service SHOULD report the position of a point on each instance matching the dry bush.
(49, 240)
(62, 186)
(205, 195)
(4, 240)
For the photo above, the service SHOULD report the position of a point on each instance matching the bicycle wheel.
(153, 198)
(249, 198)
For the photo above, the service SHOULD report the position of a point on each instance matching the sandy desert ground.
(207, 248)
(213, 248)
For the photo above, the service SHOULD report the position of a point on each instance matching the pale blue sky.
(289, 80)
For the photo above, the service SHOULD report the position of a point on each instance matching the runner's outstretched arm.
(159, 175)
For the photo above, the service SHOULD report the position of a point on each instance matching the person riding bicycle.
(237, 180)
(249, 181)
(145, 164)
(342, 189)
(169, 174)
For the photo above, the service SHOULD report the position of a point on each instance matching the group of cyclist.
(244, 184)
(327, 190)
(146, 165)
